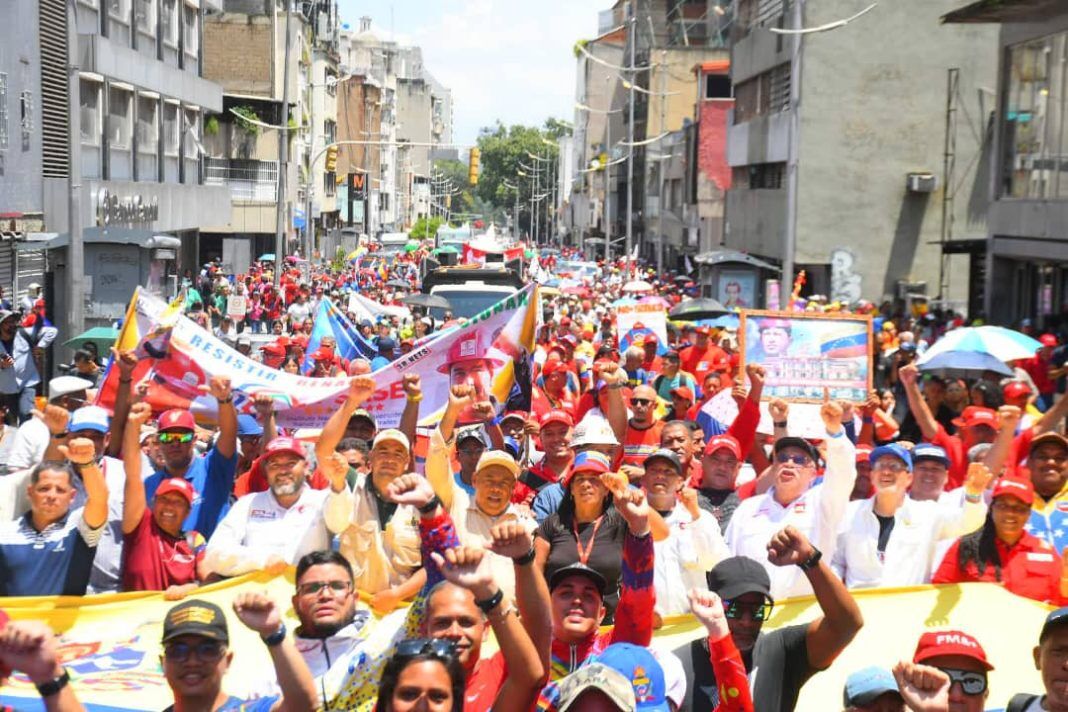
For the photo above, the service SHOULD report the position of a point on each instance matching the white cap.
(391, 434)
(62, 385)
(593, 430)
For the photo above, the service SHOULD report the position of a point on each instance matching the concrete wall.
(238, 53)
(674, 75)
(20, 163)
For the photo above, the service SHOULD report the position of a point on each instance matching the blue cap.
(643, 671)
(248, 425)
(894, 450)
(927, 451)
(386, 344)
(865, 686)
(511, 446)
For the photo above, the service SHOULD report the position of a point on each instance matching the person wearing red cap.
(946, 659)
(157, 555)
(1002, 551)
(1020, 395)
(682, 399)
(553, 394)
(555, 435)
(862, 488)
(1039, 367)
(651, 362)
(976, 425)
(704, 357)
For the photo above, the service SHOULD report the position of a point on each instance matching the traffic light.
(472, 166)
(331, 159)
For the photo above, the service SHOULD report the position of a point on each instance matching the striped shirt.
(52, 562)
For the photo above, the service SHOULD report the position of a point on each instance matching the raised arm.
(971, 516)
(920, 410)
(998, 454)
(511, 539)
(360, 389)
(30, 647)
(839, 476)
(615, 378)
(637, 597)
(829, 634)
(339, 506)
(125, 361)
(133, 496)
(81, 454)
(727, 664)
(1052, 417)
(219, 389)
(438, 467)
(409, 420)
(264, 405)
(56, 418)
(263, 616)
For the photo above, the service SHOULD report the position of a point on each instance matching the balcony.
(248, 179)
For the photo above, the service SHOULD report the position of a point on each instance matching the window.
(26, 112)
(147, 125)
(764, 176)
(767, 93)
(191, 129)
(169, 18)
(3, 111)
(190, 30)
(119, 114)
(119, 9)
(717, 86)
(145, 15)
(170, 129)
(90, 112)
(330, 184)
(1035, 135)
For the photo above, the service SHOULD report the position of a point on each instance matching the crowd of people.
(569, 522)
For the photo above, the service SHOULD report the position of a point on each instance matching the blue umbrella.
(963, 364)
(1001, 343)
(727, 321)
(268, 257)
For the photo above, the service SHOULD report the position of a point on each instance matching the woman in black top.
(586, 528)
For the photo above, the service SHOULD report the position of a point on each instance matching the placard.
(236, 306)
(806, 353)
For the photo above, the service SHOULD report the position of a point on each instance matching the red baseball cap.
(521, 414)
(552, 365)
(975, 415)
(863, 453)
(274, 349)
(1020, 488)
(177, 419)
(721, 442)
(556, 416)
(323, 354)
(283, 444)
(683, 392)
(1048, 340)
(177, 484)
(950, 642)
(1016, 389)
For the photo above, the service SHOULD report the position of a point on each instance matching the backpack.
(1021, 702)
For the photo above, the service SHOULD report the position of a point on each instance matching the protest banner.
(110, 643)
(363, 308)
(805, 353)
(350, 343)
(177, 358)
(651, 316)
(236, 307)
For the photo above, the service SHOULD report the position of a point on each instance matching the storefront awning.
(718, 257)
(141, 237)
(1002, 11)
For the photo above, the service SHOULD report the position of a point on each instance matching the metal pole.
(632, 36)
(283, 158)
(607, 182)
(76, 256)
(790, 233)
(661, 167)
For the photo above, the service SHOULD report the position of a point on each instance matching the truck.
(470, 289)
(392, 243)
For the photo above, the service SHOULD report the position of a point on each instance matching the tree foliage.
(425, 228)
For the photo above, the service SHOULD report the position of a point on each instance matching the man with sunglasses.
(196, 656)
(780, 662)
(211, 474)
(793, 500)
(642, 436)
(961, 658)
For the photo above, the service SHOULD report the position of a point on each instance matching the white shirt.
(31, 441)
(680, 562)
(816, 514)
(911, 550)
(257, 527)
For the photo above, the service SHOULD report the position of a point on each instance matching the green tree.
(425, 228)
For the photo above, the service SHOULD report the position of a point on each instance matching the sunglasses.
(799, 460)
(314, 587)
(167, 438)
(972, 683)
(640, 401)
(413, 647)
(207, 651)
(760, 612)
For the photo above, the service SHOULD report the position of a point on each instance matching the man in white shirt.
(814, 510)
(891, 539)
(694, 543)
(32, 438)
(273, 529)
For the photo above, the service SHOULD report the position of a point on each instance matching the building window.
(147, 138)
(717, 86)
(26, 120)
(190, 30)
(120, 10)
(766, 93)
(120, 133)
(145, 14)
(330, 184)
(759, 176)
(1035, 131)
(170, 129)
(190, 146)
(3, 111)
(169, 19)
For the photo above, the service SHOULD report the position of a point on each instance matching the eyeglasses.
(799, 460)
(438, 647)
(759, 611)
(207, 651)
(895, 467)
(641, 401)
(167, 438)
(312, 588)
(972, 683)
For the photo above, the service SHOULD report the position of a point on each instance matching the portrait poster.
(805, 353)
(737, 289)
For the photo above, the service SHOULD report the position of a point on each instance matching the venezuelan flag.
(844, 343)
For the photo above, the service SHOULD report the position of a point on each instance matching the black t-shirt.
(720, 503)
(886, 525)
(779, 668)
(1058, 359)
(606, 557)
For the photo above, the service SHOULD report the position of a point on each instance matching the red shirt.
(154, 560)
(541, 403)
(484, 683)
(639, 444)
(958, 458)
(700, 361)
(1031, 568)
(1038, 368)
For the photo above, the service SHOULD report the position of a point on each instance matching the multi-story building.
(141, 94)
(864, 108)
(1020, 267)
(320, 185)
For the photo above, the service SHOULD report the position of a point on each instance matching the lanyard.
(584, 552)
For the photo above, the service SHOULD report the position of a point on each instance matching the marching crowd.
(570, 521)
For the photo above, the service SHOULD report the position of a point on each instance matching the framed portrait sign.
(805, 353)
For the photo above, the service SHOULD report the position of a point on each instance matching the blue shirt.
(547, 501)
(379, 362)
(54, 562)
(212, 477)
(470, 489)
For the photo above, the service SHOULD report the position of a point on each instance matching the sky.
(503, 59)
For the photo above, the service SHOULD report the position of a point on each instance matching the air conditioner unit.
(906, 288)
(921, 182)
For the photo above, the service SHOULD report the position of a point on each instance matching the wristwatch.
(52, 687)
(488, 604)
(276, 637)
(812, 561)
(430, 506)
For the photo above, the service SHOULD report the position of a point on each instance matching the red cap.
(683, 392)
(950, 642)
(1048, 340)
(521, 414)
(565, 321)
(282, 340)
(177, 484)
(974, 415)
(1017, 389)
(323, 354)
(301, 340)
(863, 452)
(721, 442)
(177, 419)
(1020, 488)
(274, 349)
(551, 366)
(556, 416)
(283, 444)
(703, 330)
